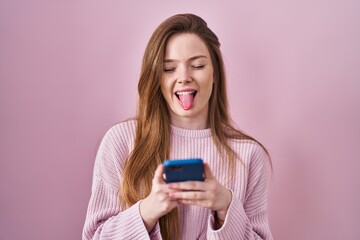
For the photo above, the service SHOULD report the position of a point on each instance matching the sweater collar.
(190, 133)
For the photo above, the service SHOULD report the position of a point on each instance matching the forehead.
(183, 46)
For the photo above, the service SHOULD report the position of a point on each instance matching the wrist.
(220, 216)
(221, 213)
(147, 217)
(219, 222)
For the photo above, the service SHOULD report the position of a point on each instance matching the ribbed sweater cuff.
(155, 232)
(126, 225)
(234, 225)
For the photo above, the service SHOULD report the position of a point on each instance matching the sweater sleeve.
(105, 219)
(248, 220)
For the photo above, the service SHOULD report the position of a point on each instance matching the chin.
(183, 113)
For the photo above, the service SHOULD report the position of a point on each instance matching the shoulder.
(246, 144)
(120, 134)
(119, 138)
(114, 149)
(250, 151)
(122, 130)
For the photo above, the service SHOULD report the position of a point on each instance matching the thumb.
(158, 175)
(207, 172)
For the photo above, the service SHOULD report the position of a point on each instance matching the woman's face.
(187, 80)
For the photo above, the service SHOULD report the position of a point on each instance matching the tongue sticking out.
(186, 101)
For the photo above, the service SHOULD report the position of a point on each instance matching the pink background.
(69, 69)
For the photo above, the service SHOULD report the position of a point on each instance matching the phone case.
(181, 170)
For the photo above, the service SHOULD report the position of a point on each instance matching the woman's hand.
(210, 194)
(158, 203)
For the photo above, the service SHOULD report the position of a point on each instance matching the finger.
(207, 172)
(192, 195)
(171, 195)
(200, 203)
(158, 175)
(189, 202)
(188, 186)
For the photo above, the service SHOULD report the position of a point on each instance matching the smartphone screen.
(181, 170)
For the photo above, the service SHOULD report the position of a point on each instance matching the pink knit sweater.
(247, 214)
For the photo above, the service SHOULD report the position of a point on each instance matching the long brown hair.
(152, 142)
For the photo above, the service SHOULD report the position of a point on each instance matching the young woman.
(182, 113)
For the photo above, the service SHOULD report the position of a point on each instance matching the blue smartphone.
(181, 170)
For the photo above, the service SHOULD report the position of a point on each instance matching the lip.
(185, 90)
(176, 93)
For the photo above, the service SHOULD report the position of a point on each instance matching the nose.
(184, 75)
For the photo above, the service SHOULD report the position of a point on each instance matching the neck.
(193, 123)
(189, 124)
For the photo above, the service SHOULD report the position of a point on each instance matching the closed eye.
(198, 66)
(169, 69)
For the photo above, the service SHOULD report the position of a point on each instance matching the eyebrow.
(190, 59)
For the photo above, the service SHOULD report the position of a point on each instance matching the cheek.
(166, 89)
(210, 90)
(163, 90)
(163, 85)
(208, 84)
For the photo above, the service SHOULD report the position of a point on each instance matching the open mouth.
(186, 98)
(182, 93)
